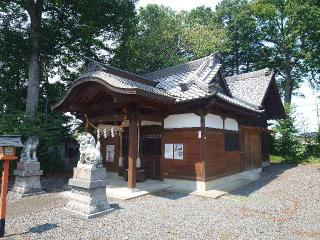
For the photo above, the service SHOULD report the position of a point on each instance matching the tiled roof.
(250, 87)
(187, 82)
(191, 81)
(182, 68)
(123, 83)
(10, 140)
(238, 102)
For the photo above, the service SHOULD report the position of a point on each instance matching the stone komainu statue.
(29, 151)
(89, 150)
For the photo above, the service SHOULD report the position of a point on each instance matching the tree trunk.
(288, 90)
(35, 11)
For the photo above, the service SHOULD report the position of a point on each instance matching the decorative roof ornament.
(199, 76)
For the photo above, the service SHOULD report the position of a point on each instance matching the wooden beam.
(94, 108)
(133, 144)
(108, 118)
(236, 110)
(151, 117)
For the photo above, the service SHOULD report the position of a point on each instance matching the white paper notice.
(110, 153)
(168, 151)
(178, 151)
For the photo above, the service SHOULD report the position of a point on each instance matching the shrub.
(51, 129)
(286, 142)
(312, 159)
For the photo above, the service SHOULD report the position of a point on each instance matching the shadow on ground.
(170, 195)
(268, 174)
(115, 206)
(43, 228)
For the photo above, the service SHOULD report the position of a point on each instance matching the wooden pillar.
(120, 163)
(203, 151)
(132, 153)
(4, 191)
(120, 147)
(138, 164)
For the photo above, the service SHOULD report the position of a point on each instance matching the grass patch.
(276, 159)
(311, 160)
(308, 160)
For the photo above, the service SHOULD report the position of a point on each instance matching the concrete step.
(231, 186)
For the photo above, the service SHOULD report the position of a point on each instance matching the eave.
(59, 106)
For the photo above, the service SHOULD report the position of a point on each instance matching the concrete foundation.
(27, 179)
(88, 194)
(224, 184)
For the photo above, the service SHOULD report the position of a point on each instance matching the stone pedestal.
(88, 194)
(27, 179)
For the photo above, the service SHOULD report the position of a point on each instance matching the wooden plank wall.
(112, 167)
(219, 162)
(191, 165)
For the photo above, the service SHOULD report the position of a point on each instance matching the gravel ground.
(283, 204)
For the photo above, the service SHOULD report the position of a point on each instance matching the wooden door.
(150, 150)
(251, 148)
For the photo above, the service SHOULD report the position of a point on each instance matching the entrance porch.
(125, 112)
(117, 188)
(148, 151)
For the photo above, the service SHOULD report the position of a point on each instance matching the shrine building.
(188, 125)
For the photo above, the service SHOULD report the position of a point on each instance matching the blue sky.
(306, 106)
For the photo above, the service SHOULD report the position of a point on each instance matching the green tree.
(156, 43)
(41, 39)
(286, 142)
(201, 36)
(165, 38)
(53, 36)
(306, 19)
(242, 49)
(281, 33)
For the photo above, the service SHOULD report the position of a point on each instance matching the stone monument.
(88, 186)
(27, 174)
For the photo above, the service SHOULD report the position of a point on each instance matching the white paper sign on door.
(110, 153)
(168, 151)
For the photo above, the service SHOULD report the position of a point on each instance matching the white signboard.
(178, 151)
(168, 151)
(110, 153)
